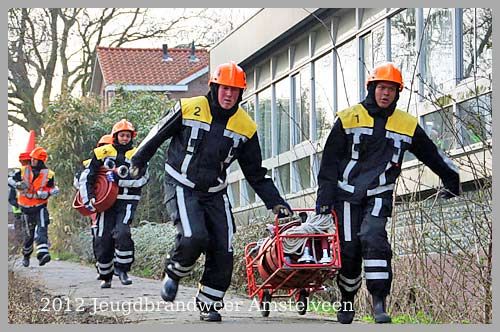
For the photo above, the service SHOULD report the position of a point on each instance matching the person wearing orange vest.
(113, 245)
(35, 184)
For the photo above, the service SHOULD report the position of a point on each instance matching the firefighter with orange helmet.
(361, 161)
(35, 184)
(113, 244)
(208, 133)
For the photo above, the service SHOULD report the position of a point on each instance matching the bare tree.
(53, 51)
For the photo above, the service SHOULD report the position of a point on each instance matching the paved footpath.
(141, 302)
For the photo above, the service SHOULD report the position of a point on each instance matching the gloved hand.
(136, 169)
(111, 176)
(21, 185)
(54, 191)
(283, 210)
(90, 205)
(324, 209)
(42, 194)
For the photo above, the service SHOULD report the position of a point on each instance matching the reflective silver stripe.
(205, 299)
(83, 185)
(128, 213)
(179, 267)
(237, 138)
(218, 187)
(123, 253)
(105, 271)
(210, 291)
(132, 197)
(101, 223)
(124, 260)
(229, 219)
(179, 177)
(376, 275)
(382, 180)
(185, 163)
(104, 265)
(344, 186)
(377, 207)
(375, 263)
(348, 170)
(398, 138)
(349, 288)
(357, 132)
(347, 221)
(133, 183)
(380, 189)
(350, 281)
(196, 124)
(177, 272)
(183, 212)
(42, 218)
(42, 245)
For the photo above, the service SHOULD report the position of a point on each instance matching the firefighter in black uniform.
(19, 217)
(35, 184)
(361, 162)
(208, 134)
(113, 241)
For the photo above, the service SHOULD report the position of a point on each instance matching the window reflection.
(323, 88)
(282, 178)
(302, 178)
(439, 127)
(283, 114)
(302, 94)
(264, 122)
(347, 54)
(248, 194)
(475, 119)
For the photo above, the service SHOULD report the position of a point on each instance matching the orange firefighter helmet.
(386, 72)
(229, 74)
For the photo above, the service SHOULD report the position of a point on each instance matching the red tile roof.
(144, 66)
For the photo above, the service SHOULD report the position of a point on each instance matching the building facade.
(310, 63)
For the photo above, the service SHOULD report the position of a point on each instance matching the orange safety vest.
(28, 197)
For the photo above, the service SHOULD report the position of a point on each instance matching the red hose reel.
(105, 192)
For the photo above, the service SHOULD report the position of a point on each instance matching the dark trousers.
(205, 224)
(35, 228)
(113, 244)
(18, 230)
(363, 238)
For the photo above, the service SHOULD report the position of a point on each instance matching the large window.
(323, 88)
(282, 179)
(264, 122)
(440, 128)
(475, 119)
(438, 58)
(347, 82)
(477, 42)
(302, 95)
(404, 51)
(248, 194)
(283, 114)
(374, 51)
(302, 176)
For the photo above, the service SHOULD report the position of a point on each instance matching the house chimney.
(193, 57)
(165, 53)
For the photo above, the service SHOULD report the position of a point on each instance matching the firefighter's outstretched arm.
(160, 132)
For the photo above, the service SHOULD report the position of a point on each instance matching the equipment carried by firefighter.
(105, 191)
(295, 260)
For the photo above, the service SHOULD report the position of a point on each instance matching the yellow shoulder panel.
(130, 153)
(241, 123)
(86, 162)
(402, 123)
(355, 116)
(197, 109)
(51, 174)
(104, 151)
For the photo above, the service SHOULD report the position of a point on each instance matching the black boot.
(169, 288)
(346, 313)
(106, 283)
(210, 315)
(379, 310)
(125, 280)
(44, 260)
(26, 261)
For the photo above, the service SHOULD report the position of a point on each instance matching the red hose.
(105, 195)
